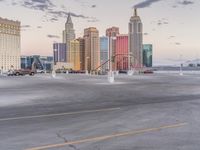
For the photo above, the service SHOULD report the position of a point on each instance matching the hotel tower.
(135, 41)
(9, 44)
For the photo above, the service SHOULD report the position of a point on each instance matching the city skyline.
(172, 31)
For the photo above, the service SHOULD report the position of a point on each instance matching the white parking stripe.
(60, 114)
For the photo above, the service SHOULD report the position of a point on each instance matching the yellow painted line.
(61, 114)
(106, 137)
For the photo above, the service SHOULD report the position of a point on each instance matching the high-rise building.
(112, 32)
(121, 59)
(68, 34)
(104, 52)
(75, 54)
(135, 41)
(147, 55)
(59, 52)
(9, 44)
(92, 49)
(82, 53)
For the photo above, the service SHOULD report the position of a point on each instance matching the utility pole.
(181, 65)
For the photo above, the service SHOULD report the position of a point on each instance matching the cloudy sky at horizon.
(172, 26)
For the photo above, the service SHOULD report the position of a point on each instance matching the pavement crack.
(66, 141)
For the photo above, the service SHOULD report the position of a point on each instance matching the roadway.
(80, 112)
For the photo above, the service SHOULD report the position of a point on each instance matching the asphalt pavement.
(84, 112)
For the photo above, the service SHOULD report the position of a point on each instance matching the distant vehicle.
(148, 72)
(123, 71)
(10, 73)
(40, 71)
(102, 73)
(21, 72)
(60, 71)
(76, 71)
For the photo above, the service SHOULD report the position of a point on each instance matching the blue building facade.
(37, 62)
(147, 55)
(60, 52)
(104, 52)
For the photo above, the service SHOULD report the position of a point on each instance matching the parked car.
(76, 71)
(148, 72)
(21, 72)
(40, 71)
(61, 70)
(10, 73)
(123, 71)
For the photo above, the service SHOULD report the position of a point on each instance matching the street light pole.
(130, 70)
(45, 67)
(181, 65)
(111, 73)
(53, 71)
(87, 68)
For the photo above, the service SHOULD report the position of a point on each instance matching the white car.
(40, 71)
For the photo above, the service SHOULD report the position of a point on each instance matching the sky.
(172, 26)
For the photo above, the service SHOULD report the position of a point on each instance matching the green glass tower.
(147, 55)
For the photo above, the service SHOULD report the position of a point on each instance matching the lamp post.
(53, 71)
(111, 77)
(87, 68)
(45, 65)
(130, 69)
(181, 65)
(2, 70)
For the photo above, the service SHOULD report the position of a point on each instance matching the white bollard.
(86, 72)
(130, 72)
(53, 74)
(67, 72)
(117, 73)
(111, 78)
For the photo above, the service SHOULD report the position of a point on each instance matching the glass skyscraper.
(60, 52)
(147, 55)
(104, 52)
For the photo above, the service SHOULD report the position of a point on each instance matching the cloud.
(65, 14)
(39, 27)
(50, 10)
(93, 20)
(165, 22)
(162, 21)
(186, 2)
(53, 19)
(14, 3)
(93, 6)
(53, 36)
(38, 4)
(171, 37)
(145, 3)
(177, 43)
(25, 26)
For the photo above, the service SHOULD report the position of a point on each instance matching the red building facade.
(121, 53)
